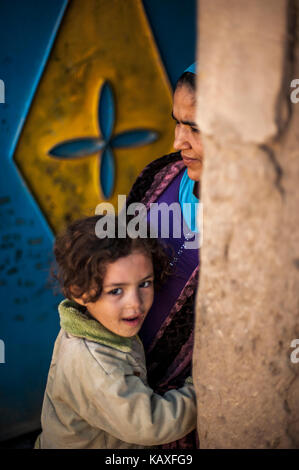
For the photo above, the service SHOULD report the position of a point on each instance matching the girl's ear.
(79, 300)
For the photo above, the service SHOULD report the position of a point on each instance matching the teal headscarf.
(192, 68)
(188, 202)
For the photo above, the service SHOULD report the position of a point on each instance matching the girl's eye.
(116, 291)
(194, 129)
(146, 284)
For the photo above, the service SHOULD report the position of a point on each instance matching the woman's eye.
(194, 129)
(116, 291)
(146, 284)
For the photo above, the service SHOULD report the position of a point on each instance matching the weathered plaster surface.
(248, 298)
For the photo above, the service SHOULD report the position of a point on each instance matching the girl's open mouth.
(133, 320)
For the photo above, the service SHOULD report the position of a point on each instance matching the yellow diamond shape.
(97, 41)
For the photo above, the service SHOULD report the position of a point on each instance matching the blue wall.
(28, 311)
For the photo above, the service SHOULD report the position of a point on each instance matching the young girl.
(97, 394)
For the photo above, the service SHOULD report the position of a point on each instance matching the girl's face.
(187, 135)
(127, 294)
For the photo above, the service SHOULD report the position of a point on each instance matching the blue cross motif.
(82, 147)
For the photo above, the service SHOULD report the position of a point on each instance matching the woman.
(167, 333)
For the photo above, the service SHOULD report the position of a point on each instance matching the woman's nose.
(180, 140)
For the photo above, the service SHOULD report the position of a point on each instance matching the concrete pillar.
(248, 299)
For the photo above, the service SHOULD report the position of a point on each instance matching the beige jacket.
(97, 394)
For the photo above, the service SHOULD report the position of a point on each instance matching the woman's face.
(187, 135)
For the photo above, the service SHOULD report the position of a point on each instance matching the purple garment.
(166, 297)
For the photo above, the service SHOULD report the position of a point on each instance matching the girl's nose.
(134, 300)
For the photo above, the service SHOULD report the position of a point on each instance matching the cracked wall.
(248, 297)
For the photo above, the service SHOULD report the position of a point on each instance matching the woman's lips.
(188, 160)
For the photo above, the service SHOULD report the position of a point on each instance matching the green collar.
(77, 323)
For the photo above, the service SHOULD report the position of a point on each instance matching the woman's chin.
(194, 173)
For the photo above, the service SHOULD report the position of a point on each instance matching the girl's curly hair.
(82, 257)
